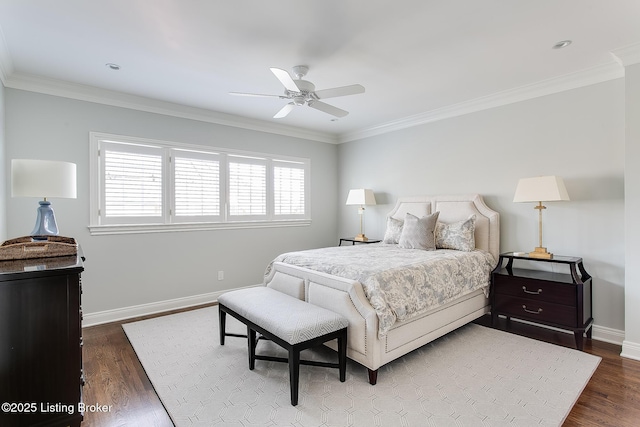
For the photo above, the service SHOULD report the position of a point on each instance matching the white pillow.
(393, 231)
(457, 235)
(418, 233)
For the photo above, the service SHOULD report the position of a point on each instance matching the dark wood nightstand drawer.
(538, 290)
(536, 310)
(544, 296)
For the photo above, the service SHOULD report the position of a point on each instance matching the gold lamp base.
(540, 252)
(361, 238)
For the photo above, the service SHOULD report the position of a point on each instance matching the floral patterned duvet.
(400, 283)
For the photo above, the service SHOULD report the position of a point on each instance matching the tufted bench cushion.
(289, 322)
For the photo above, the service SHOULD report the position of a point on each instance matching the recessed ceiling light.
(562, 44)
(112, 66)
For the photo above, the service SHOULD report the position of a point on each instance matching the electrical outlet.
(220, 275)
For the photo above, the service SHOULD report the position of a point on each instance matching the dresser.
(558, 299)
(41, 374)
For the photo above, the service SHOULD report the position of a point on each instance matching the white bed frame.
(347, 297)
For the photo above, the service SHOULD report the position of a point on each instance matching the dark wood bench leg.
(293, 350)
(294, 374)
(251, 336)
(342, 355)
(373, 376)
(222, 323)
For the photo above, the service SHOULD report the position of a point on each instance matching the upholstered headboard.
(456, 208)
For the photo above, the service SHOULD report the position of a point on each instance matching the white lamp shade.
(541, 189)
(361, 196)
(43, 179)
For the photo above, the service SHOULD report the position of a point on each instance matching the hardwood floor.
(115, 377)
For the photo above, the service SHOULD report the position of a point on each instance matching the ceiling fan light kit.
(302, 92)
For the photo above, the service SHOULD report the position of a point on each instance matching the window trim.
(172, 225)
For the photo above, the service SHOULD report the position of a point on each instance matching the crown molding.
(615, 69)
(627, 55)
(599, 74)
(118, 99)
(6, 64)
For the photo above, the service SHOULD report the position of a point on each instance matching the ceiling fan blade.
(339, 91)
(285, 79)
(258, 95)
(284, 111)
(326, 108)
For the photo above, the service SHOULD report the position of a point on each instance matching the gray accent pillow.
(457, 235)
(418, 233)
(393, 231)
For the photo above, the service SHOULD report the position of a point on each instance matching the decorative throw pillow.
(418, 233)
(457, 235)
(393, 231)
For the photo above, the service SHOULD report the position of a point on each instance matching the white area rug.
(475, 376)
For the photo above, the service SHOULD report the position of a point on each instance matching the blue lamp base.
(45, 222)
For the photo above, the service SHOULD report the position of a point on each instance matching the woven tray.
(26, 247)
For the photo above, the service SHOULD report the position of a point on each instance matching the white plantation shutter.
(196, 179)
(288, 190)
(145, 185)
(247, 188)
(133, 183)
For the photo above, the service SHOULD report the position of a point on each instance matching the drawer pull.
(524, 307)
(538, 292)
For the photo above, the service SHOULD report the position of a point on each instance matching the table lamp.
(362, 197)
(46, 179)
(540, 189)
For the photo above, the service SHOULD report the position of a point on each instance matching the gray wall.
(631, 345)
(132, 270)
(577, 134)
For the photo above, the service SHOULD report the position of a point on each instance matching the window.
(132, 183)
(289, 189)
(196, 178)
(145, 185)
(247, 187)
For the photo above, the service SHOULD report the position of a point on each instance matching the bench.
(289, 322)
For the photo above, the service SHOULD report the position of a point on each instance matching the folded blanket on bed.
(400, 283)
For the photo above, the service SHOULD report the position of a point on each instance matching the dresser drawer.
(536, 290)
(536, 310)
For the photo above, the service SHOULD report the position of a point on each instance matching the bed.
(377, 334)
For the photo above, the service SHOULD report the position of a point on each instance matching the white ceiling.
(412, 56)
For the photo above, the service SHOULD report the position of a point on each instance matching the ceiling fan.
(302, 92)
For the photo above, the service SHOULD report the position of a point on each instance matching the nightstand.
(546, 298)
(354, 241)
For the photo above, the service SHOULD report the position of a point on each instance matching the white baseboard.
(118, 314)
(630, 350)
(599, 333)
(612, 336)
